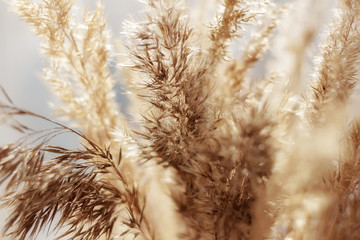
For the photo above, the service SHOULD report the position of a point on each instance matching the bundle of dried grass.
(216, 154)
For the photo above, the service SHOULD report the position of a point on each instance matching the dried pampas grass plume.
(210, 151)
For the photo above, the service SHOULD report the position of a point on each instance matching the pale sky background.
(21, 67)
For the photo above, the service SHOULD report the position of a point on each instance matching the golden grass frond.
(239, 69)
(235, 14)
(214, 153)
(338, 67)
(78, 54)
(77, 183)
(343, 183)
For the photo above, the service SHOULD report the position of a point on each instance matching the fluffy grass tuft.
(215, 153)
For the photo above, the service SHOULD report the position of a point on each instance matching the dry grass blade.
(78, 71)
(338, 69)
(344, 183)
(71, 184)
(236, 13)
(176, 78)
(214, 153)
(239, 69)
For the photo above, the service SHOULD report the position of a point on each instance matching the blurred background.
(21, 64)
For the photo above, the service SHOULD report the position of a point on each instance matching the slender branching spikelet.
(253, 52)
(235, 14)
(343, 216)
(338, 68)
(214, 154)
(78, 70)
(72, 182)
